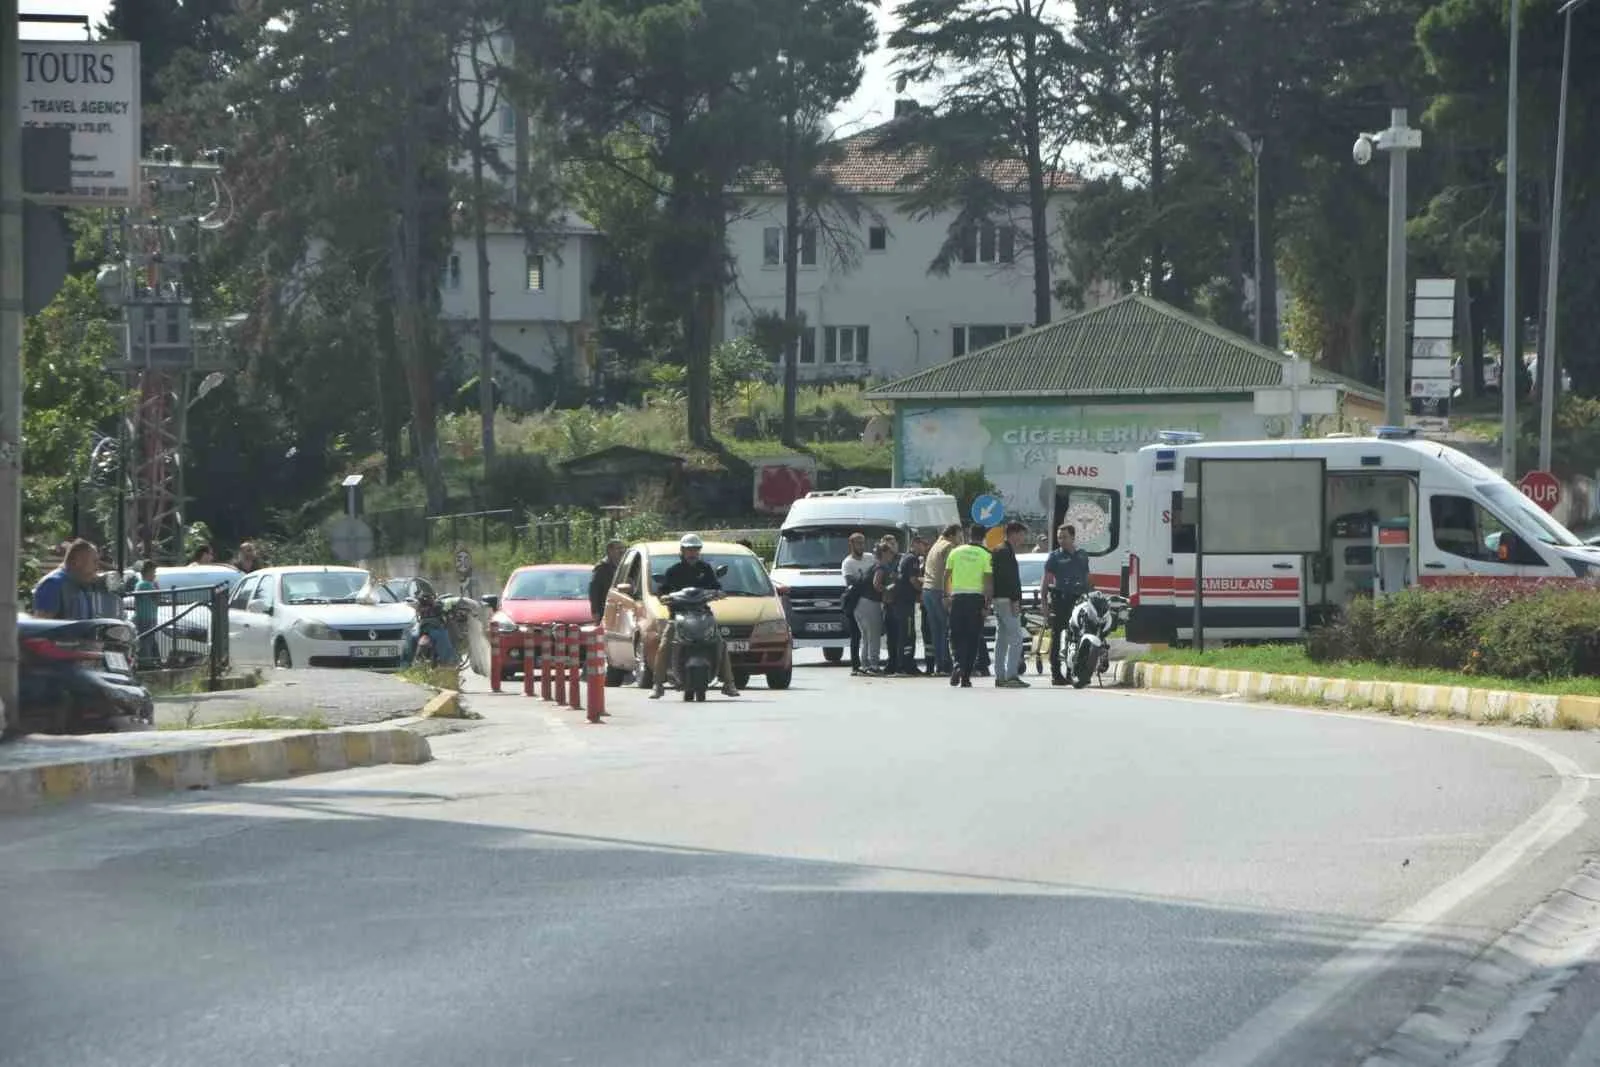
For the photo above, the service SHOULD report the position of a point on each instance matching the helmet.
(691, 541)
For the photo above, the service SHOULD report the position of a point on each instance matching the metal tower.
(154, 252)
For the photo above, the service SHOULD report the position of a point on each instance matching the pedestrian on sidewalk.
(1066, 579)
(1008, 609)
(600, 579)
(144, 613)
(857, 573)
(969, 590)
(937, 618)
(68, 591)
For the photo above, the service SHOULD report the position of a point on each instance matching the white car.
(316, 617)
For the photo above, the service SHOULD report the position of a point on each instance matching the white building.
(884, 316)
(541, 309)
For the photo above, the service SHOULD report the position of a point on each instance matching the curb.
(203, 766)
(1406, 698)
(446, 704)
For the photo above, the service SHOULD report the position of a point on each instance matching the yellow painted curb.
(445, 705)
(1405, 698)
(228, 762)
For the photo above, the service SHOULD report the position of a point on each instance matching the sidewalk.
(336, 697)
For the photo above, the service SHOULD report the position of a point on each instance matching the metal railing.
(181, 629)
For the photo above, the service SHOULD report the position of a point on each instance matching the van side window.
(1182, 527)
(1096, 515)
(1462, 527)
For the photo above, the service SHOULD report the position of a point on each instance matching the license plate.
(374, 652)
(827, 627)
(738, 646)
(116, 661)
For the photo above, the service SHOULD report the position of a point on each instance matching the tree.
(997, 138)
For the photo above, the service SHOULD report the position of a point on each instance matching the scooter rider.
(430, 621)
(690, 572)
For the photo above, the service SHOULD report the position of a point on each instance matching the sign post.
(1543, 488)
(1433, 328)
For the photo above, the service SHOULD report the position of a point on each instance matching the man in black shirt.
(690, 572)
(605, 572)
(1008, 610)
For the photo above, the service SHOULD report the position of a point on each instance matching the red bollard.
(543, 633)
(558, 660)
(530, 655)
(596, 663)
(575, 667)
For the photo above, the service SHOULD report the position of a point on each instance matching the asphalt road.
(852, 872)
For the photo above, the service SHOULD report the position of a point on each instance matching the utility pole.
(1511, 336)
(1397, 140)
(1547, 322)
(1253, 145)
(11, 321)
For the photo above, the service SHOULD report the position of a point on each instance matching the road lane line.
(1374, 951)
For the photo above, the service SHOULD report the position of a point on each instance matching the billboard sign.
(90, 88)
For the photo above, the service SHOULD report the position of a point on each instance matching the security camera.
(1363, 150)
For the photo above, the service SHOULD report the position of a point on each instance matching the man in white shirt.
(857, 572)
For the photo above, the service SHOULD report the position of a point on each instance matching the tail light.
(64, 651)
(1133, 581)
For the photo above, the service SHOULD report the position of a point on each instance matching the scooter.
(696, 641)
(1089, 629)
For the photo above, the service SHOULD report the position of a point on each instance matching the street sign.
(994, 539)
(92, 89)
(1433, 327)
(987, 510)
(349, 538)
(1436, 388)
(1541, 487)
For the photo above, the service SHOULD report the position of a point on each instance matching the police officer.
(1066, 579)
(690, 572)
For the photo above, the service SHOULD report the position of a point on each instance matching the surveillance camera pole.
(1511, 335)
(11, 321)
(1398, 140)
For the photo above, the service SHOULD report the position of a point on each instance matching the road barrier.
(530, 656)
(595, 666)
(558, 661)
(575, 644)
(547, 651)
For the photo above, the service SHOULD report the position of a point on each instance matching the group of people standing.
(956, 583)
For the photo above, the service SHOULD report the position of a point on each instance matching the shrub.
(1552, 633)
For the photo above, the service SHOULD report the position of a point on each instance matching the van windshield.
(1507, 499)
(813, 548)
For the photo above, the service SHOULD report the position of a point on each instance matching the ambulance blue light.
(1180, 437)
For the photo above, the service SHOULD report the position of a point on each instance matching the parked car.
(182, 615)
(533, 597)
(316, 617)
(751, 615)
(75, 676)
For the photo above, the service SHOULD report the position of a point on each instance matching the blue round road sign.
(987, 510)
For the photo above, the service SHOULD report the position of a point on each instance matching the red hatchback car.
(534, 596)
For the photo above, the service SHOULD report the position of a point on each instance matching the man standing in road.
(908, 594)
(933, 593)
(68, 591)
(856, 570)
(1066, 578)
(1008, 609)
(690, 572)
(969, 590)
(600, 579)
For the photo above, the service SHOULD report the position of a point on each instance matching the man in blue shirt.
(1066, 578)
(66, 592)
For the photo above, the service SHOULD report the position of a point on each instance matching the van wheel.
(281, 657)
(780, 679)
(833, 655)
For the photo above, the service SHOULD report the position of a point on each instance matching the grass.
(1292, 659)
(255, 720)
(432, 677)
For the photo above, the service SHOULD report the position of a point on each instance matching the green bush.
(1538, 633)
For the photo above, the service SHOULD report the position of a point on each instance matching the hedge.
(1539, 632)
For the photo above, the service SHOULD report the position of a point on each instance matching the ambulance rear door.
(1095, 496)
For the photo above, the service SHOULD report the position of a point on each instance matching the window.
(535, 279)
(508, 121)
(1094, 514)
(1182, 528)
(1464, 528)
(808, 345)
(877, 238)
(772, 246)
(964, 339)
(452, 273)
(845, 344)
(241, 595)
(989, 244)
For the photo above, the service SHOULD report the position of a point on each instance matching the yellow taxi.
(750, 615)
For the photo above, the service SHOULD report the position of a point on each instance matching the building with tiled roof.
(871, 306)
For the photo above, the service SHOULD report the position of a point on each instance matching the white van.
(1453, 520)
(814, 541)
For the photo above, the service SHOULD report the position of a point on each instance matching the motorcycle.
(696, 641)
(442, 623)
(1089, 628)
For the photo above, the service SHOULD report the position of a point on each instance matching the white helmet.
(690, 541)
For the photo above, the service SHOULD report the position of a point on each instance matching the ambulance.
(1399, 511)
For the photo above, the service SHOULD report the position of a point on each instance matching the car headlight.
(771, 630)
(312, 630)
(504, 625)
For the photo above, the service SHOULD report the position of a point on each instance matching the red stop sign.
(1542, 488)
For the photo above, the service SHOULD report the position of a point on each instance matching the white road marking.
(1375, 950)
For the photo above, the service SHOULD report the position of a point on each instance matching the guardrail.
(181, 629)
